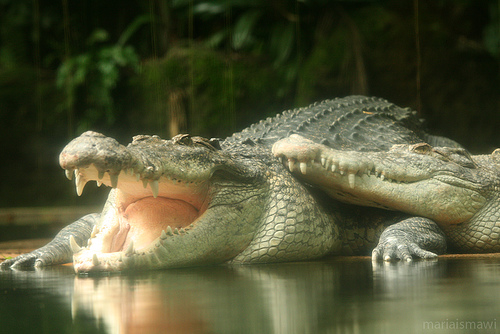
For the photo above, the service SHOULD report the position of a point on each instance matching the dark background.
(213, 67)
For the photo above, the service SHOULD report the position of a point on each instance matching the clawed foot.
(29, 260)
(393, 250)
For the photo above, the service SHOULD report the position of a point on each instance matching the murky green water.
(316, 297)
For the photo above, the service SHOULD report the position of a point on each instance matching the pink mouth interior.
(143, 220)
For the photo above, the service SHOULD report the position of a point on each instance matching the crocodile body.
(286, 189)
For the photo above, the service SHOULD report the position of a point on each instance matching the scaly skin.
(193, 201)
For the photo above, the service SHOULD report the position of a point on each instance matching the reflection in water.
(347, 296)
(259, 299)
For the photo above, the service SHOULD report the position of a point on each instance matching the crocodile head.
(173, 202)
(445, 184)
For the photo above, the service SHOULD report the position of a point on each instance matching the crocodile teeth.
(327, 164)
(163, 235)
(74, 245)
(303, 167)
(352, 180)
(69, 174)
(176, 231)
(95, 230)
(95, 260)
(130, 249)
(80, 183)
(100, 174)
(291, 165)
(99, 183)
(154, 187)
(114, 179)
(169, 231)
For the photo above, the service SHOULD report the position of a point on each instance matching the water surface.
(329, 296)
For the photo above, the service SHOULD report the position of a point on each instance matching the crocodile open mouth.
(142, 213)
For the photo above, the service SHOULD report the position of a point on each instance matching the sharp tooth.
(137, 177)
(176, 231)
(69, 174)
(182, 230)
(352, 179)
(80, 183)
(169, 231)
(323, 162)
(95, 230)
(130, 249)
(95, 260)
(327, 164)
(100, 174)
(303, 167)
(74, 245)
(291, 165)
(334, 167)
(163, 235)
(154, 187)
(145, 183)
(98, 183)
(114, 179)
(382, 177)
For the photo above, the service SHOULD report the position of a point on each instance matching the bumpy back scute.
(350, 123)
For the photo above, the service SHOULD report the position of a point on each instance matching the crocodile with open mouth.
(343, 176)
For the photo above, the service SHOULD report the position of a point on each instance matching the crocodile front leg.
(59, 250)
(413, 237)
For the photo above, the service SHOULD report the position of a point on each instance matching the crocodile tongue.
(147, 217)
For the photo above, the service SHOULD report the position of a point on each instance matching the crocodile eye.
(420, 148)
(183, 139)
(186, 140)
(212, 144)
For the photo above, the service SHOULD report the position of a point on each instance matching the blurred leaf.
(216, 39)
(492, 31)
(242, 34)
(132, 28)
(98, 36)
(282, 42)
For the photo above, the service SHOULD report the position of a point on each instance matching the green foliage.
(219, 94)
(492, 30)
(98, 71)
